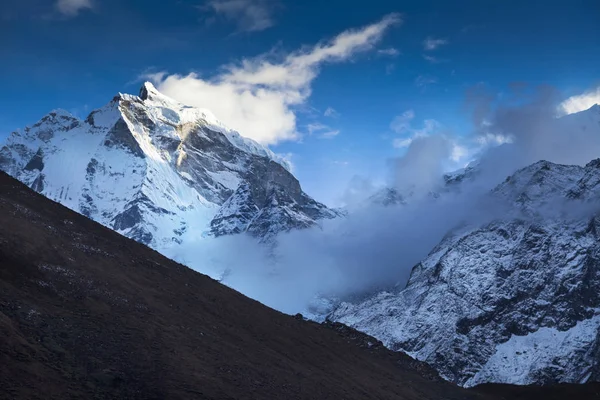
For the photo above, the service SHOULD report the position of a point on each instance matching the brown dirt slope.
(87, 313)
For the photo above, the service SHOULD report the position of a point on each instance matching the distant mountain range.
(512, 300)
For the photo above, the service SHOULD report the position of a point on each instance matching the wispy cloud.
(423, 81)
(400, 143)
(402, 124)
(323, 131)
(431, 43)
(71, 8)
(390, 51)
(248, 15)
(433, 60)
(258, 96)
(330, 134)
(580, 102)
(315, 127)
(331, 112)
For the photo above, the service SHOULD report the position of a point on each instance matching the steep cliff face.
(514, 300)
(268, 202)
(160, 172)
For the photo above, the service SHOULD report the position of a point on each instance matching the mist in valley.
(375, 247)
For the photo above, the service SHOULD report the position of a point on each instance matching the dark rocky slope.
(88, 313)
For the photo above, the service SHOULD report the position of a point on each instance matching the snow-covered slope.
(160, 172)
(515, 300)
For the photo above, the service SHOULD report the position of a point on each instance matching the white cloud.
(316, 127)
(430, 126)
(331, 112)
(402, 124)
(390, 51)
(580, 102)
(401, 143)
(430, 43)
(248, 15)
(258, 97)
(325, 132)
(459, 153)
(71, 8)
(330, 134)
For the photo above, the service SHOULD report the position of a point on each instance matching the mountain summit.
(160, 172)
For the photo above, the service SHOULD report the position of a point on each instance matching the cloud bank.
(258, 96)
(375, 247)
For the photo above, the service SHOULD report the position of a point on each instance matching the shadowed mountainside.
(88, 313)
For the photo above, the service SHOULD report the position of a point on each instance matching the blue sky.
(338, 107)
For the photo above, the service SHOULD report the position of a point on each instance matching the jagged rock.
(156, 171)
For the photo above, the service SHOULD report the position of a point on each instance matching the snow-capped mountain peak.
(159, 171)
(149, 92)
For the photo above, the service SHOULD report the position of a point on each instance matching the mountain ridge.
(511, 300)
(160, 172)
